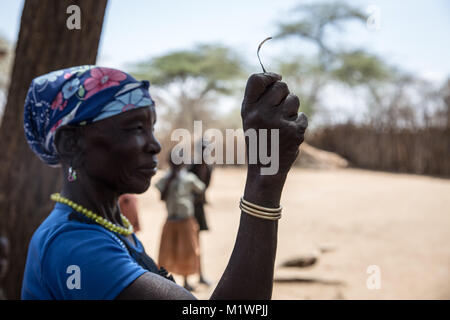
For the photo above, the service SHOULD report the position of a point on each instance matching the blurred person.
(179, 248)
(128, 204)
(203, 171)
(97, 125)
(4, 262)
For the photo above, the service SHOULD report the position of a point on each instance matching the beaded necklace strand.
(98, 219)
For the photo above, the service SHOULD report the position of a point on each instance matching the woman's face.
(121, 151)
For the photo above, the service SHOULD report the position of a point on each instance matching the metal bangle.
(259, 215)
(257, 207)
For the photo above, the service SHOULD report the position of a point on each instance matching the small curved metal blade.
(257, 52)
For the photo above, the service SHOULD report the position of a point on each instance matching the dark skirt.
(199, 213)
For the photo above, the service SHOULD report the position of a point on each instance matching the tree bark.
(44, 44)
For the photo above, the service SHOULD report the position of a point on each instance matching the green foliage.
(189, 82)
(300, 68)
(352, 67)
(213, 65)
(359, 67)
(314, 18)
(305, 78)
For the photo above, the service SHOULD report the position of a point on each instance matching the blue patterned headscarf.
(78, 96)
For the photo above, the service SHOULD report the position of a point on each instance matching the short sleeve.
(196, 184)
(88, 264)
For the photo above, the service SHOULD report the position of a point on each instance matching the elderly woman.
(97, 124)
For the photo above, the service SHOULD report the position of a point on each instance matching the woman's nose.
(154, 146)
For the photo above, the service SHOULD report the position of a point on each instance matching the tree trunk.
(45, 44)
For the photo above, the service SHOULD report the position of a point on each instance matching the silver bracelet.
(260, 213)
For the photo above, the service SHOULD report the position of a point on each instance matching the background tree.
(306, 78)
(314, 20)
(309, 75)
(44, 44)
(399, 119)
(188, 83)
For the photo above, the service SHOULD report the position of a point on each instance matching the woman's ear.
(69, 144)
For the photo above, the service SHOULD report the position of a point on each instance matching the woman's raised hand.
(268, 104)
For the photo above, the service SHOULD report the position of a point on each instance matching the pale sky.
(413, 34)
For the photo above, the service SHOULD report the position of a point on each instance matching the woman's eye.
(136, 128)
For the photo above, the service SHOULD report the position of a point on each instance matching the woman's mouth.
(148, 171)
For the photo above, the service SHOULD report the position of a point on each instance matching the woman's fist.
(269, 105)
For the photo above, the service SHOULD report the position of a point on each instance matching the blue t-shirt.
(71, 259)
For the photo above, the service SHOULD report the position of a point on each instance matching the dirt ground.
(397, 222)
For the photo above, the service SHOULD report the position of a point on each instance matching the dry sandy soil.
(398, 222)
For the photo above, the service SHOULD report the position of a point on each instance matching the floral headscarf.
(77, 95)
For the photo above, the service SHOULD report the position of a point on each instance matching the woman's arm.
(249, 274)
(267, 105)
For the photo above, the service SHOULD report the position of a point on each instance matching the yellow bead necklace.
(98, 219)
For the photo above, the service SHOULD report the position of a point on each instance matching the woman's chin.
(140, 186)
(135, 184)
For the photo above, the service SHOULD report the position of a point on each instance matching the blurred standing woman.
(179, 248)
(97, 124)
